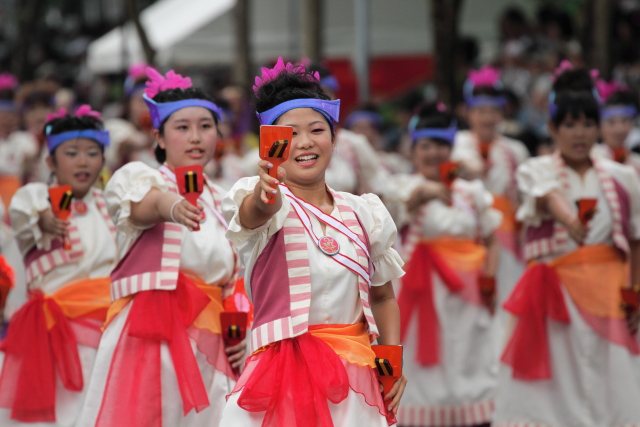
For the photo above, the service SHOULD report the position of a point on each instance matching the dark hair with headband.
(622, 97)
(171, 95)
(434, 116)
(573, 94)
(70, 123)
(288, 86)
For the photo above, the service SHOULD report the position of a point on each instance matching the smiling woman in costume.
(318, 267)
(51, 344)
(162, 359)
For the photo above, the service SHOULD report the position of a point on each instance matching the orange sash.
(9, 184)
(508, 211)
(208, 319)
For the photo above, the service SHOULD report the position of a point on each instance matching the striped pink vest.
(39, 262)
(281, 281)
(153, 262)
(550, 237)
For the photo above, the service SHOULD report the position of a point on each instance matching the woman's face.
(575, 137)
(189, 137)
(484, 121)
(77, 162)
(615, 130)
(368, 130)
(428, 155)
(311, 147)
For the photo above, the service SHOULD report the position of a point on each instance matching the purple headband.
(486, 101)
(100, 136)
(8, 106)
(331, 82)
(159, 111)
(619, 111)
(356, 116)
(329, 109)
(447, 134)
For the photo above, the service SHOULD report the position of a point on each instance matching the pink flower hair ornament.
(100, 135)
(269, 74)
(158, 83)
(8, 81)
(62, 112)
(486, 76)
(137, 71)
(606, 89)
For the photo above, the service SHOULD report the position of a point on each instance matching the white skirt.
(218, 385)
(460, 389)
(594, 383)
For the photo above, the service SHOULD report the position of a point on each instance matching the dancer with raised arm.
(318, 267)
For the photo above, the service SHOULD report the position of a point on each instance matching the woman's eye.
(317, 130)
(70, 153)
(182, 127)
(94, 153)
(206, 126)
(295, 133)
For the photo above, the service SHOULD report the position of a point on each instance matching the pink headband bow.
(8, 81)
(270, 74)
(606, 89)
(158, 83)
(485, 76)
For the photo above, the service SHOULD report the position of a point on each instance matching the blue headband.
(159, 111)
(100, 136)
(8, 106)
(447, 134)
(329, 109)
(486, 101)
(331, 82)
(369, 116)
(483, 100)
(619, 111)
(130, 88)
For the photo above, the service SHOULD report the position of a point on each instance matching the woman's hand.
(183, 212)
(577, 230)
(236, 353)
(267, 183)
(395, 394)
(633, 320)
(426, 192)
(49, 223)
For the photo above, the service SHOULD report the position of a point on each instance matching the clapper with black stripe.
(275, 144)
(60, 198)
(190, 183)
(388, 365)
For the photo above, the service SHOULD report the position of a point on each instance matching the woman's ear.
(51, 162)
(159, 139)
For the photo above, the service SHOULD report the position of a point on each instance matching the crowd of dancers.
(511, 283)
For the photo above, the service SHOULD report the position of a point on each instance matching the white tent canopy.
(202, 32)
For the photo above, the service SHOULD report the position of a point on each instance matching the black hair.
(288, 86)
(622, 97)
(7, 94)
(320, 69)
(574, 95)
(489, 91)
(433, 116)
(68, 123)
(172, 95)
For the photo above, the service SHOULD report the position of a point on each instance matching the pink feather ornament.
(85, 110)
(606, 89)
(280, 67)
(158, 83)
(8, 81)
(60, 114)
(137, 70)
(485, 76)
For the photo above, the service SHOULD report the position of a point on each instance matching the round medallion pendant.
(329, 245)
(79, 207)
